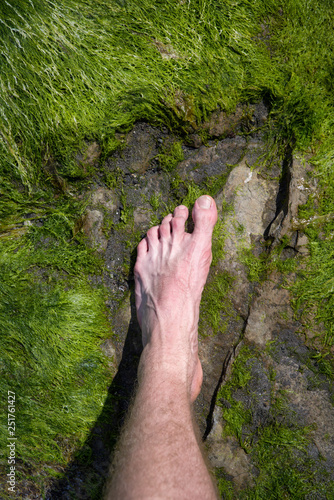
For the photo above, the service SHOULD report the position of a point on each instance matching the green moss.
(171, 156)
(215, 305)
(113, 179)
(218, 242)
(324, 365)
(126, 210)
(225, 487)
(314, 292)
(85, 74)
(193, 192)
(286, 266)
(51, 332)
(278, 450)
(235, 418)
(285, 471)
(234, 413)
(54, 247)
(216, 183)
(256, 267)
(155, 201)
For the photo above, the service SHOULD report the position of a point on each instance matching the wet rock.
(141, 218)
(194, 140)
(212, 160)
(183, 105)
(257, 398)
(260, 315)
(213, 351)
(311, 407)
(260, 114)
(226, 452)
(93, 229)
(105, 198)
(252, 198)
(89, 155)
(265, 313)
(102, 202)
(296, 193)
(222, 124)
(301, 244)
(139, 149)
(269, 310)
(109, 350)
(166, 50)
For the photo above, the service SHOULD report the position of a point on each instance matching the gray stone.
(102, 201)
(92, 227)
(212, 160)
(269, 309)
(102, 197)
(302, 244)
(139, 149)
(226, 452)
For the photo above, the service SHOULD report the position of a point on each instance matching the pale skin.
(159, 453)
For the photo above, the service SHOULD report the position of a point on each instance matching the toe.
(179, 220)
(204, 215)
(152, 237)
(167, 219)
(142, 248)
(181, 211)
(165, 228)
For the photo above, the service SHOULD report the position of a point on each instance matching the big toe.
(204, 215)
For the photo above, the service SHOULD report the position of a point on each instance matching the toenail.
(182, 207)
(204, 201)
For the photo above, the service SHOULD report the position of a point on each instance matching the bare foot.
(170, 273)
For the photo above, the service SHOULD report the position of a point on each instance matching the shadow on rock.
(85, 477)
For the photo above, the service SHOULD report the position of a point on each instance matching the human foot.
(170, 273)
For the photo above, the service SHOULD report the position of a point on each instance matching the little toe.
(179, 220)
(142, 248)
(204, 215)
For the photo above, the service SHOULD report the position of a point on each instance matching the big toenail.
(204, 201)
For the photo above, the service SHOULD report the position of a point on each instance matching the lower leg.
(159, 454)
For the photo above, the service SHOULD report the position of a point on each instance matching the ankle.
(167, 370)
